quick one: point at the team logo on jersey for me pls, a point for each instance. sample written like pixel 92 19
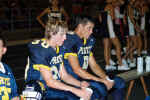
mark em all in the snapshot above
pixel 57 59
pixel 85 50
pixel 4 81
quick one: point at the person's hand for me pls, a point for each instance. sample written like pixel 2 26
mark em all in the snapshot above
pixel 84 84
pixel 83 93
pixel 86 94
pixel 109 83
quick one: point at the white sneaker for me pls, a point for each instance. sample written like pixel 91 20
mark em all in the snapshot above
pixel 129 61
pixel 135 52
pixel 112 62
pixel 132 65
pixel 123 67
pixel 124 50
pixel 124 62
pixel 144 52
pixel 110 67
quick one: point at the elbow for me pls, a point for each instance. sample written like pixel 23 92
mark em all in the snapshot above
pixel 64 77
pixel 78 72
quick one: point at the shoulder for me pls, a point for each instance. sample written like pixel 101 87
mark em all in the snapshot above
pixel 38 47
pixel 71 39
pixel 71 42
pixel 92 39
pixel 5 65
pixel 7 69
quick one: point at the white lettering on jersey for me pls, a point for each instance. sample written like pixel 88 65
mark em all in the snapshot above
pixel 56 60
pixel 85 50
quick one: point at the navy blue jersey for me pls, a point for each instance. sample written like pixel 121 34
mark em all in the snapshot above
pixel 43 56
pixel 81 48
pixel 8 87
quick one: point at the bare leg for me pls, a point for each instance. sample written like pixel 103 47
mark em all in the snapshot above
pixel 106 42
pixel 139 46
pixel 117 45
pixel 145 41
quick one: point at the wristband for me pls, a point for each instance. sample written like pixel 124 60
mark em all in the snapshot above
pixel 107 78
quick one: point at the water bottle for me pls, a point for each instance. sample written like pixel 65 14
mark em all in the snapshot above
pixel 147 60
pixel 140 65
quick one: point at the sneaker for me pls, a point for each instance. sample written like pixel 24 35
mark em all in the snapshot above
pixel 129 61
pixel 132 65
pixel 110 67
pixel 124 62
pixel 112 62
pixel 135 52
pixel 144 52
pixel 123 67
pixel 124 50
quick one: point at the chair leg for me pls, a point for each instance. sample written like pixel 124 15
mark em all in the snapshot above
pixel 144 86
pixel 129 89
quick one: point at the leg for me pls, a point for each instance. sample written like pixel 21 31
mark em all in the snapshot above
pixel 101 88
pixel 51 93
pixel 118 90
pixel 139 46
pixel 129 89
pixel 145 41
pixel 144 85
pixel 116 43
pixel 106 50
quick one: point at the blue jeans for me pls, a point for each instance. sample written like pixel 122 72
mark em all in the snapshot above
pixel 56 94
pixel 117 91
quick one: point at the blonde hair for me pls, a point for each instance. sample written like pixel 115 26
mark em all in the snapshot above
pixel 52 28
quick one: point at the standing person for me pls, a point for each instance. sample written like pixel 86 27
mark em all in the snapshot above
pixel 46 65
pixel 143 13
pixel 134 32
pixel 110 37
pixel 8 86
pixel 55 12
pixel 79 57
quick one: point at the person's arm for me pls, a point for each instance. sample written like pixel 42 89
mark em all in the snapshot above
pixel 47 75
pixel 47 10
pixel 73 60
pixel 96 68
pixel 15 98
pixel 69 79
pixel 99 72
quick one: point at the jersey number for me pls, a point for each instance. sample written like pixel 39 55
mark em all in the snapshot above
pixel 4 93
pixel 43 43
pixel 55 72
pixel 85 62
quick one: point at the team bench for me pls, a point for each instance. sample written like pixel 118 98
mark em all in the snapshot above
pixel 131 76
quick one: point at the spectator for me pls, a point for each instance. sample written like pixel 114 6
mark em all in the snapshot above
pixel 8 86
